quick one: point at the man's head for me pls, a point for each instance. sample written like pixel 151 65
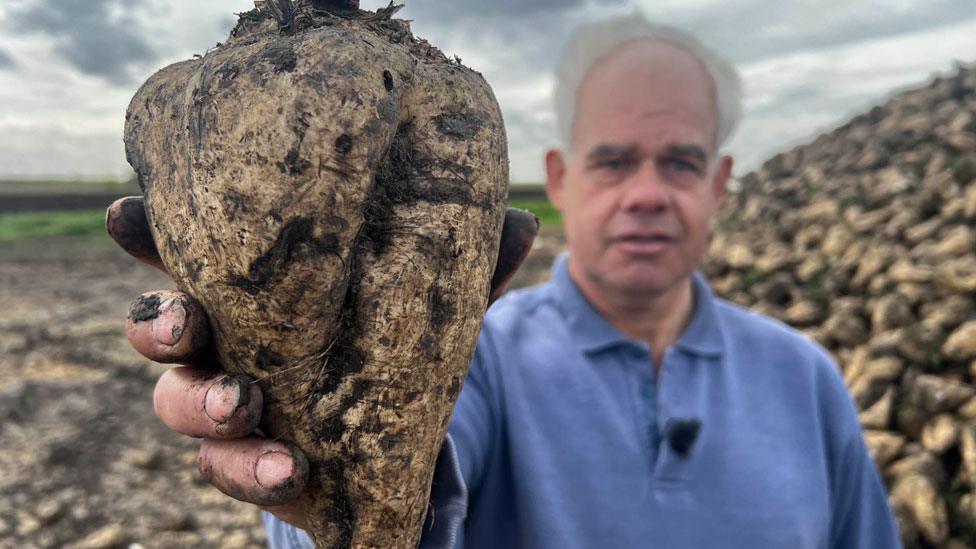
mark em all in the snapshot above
pixel 643 111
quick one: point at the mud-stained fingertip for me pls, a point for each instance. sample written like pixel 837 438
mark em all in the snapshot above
pixel 258 471
pixel 126 222
pixel 168 326
pixel 202 404
pixel 283 475
pixel 238 413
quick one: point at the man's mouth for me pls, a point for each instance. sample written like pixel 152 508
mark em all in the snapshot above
pixel 643 243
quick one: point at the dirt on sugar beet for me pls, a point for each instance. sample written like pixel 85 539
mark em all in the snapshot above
pixel 85 458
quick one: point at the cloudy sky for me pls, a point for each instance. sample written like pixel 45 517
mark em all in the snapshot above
pixel 69 67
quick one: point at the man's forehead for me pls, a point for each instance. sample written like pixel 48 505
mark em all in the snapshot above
pixel 653 50
pixel 669 63
pixel 643 129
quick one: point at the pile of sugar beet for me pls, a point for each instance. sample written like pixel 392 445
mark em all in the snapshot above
pixel 332 190
pixel 865 240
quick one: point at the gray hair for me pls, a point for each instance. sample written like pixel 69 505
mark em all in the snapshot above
pixel 591 42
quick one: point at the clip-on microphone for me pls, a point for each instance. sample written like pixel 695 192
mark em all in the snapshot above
pixel 681 434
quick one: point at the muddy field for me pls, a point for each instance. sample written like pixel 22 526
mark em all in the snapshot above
pixel 85 462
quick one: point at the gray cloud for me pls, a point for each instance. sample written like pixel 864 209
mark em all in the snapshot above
pixel 752 30
pixel 6 62
pixel 98 37
pixel 511 12
pixel 51 150
pixel 62 129
pixel 520 27
pixel 744 30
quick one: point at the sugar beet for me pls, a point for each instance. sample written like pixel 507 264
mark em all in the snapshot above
pixel 332 191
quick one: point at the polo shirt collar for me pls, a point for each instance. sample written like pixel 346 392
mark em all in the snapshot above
pixel 594 333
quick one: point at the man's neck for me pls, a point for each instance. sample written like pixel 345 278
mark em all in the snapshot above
pixel 658 318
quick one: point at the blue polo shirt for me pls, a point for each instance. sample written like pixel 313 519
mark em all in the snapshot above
pixel 562 437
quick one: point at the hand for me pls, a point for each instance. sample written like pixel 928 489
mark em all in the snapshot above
pixel 199 400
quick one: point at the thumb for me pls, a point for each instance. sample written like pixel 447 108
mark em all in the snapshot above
pixel 127 224
pixel 518 234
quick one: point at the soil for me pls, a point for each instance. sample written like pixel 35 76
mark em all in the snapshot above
pixel 85 462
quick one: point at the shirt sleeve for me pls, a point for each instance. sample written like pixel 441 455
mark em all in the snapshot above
pixel 474 425
pixel 282 535
pixel 861 516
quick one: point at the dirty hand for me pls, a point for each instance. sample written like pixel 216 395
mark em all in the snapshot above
pixel 199 400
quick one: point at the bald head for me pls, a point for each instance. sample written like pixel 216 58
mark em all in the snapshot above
pixel 600 43
pixel 645 78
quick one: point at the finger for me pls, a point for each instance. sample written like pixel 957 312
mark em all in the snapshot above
pixel 167 326
pixel 254 470
pixel 202 404
pixel 518 233
pixel 127 224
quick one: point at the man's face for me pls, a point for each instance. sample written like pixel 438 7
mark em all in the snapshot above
pixel 643 181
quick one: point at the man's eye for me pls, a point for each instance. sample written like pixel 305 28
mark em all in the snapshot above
pixel 681 165
pixel 615 163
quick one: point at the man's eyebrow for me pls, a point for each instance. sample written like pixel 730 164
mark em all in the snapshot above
pixel 693 151
pixel 610 151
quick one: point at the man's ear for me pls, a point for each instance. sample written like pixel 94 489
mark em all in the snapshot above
pixel 555 177
pixel 720 182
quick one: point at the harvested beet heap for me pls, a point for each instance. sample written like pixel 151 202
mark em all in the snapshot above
pixel 332 190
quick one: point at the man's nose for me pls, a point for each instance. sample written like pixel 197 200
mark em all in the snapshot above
pixel 645 190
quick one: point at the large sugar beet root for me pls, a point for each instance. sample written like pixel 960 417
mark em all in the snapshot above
pixel 332 191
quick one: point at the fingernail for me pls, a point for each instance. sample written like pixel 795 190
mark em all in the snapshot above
pixel 167 328
pixel 223 399
pixel 274 469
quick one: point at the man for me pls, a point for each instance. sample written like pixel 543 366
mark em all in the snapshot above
pixel 621 404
